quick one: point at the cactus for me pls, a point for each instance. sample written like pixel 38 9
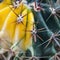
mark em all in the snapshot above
pixel 29 28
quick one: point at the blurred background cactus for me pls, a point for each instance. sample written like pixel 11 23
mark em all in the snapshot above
pixel 36 33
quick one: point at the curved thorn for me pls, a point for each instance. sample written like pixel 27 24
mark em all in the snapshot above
pixel 39 37
pixel 48 17
pixel 43 43
pixel 57 42
pixel 41 29
pixel 57 15
pixel 34 36
pixel 14 12
pixel 48 44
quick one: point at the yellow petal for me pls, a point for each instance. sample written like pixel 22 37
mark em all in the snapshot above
pixel 3 14
pixel 4 3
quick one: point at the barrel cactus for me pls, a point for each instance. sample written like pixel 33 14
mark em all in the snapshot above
pixel 29 28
